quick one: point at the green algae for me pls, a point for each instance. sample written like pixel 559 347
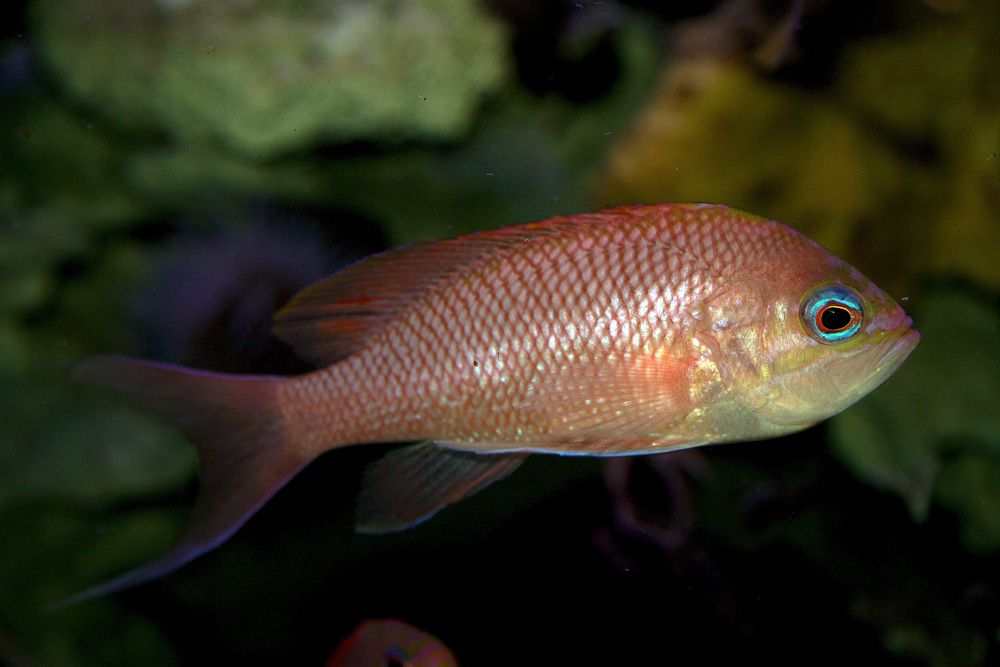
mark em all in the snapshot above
pixel 266 82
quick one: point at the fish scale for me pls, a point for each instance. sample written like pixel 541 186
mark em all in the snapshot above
pixel 557 291
pixel 627 331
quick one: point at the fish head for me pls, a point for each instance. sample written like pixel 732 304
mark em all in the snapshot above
pixel 828 337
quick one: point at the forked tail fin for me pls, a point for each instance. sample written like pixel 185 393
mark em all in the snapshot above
pixel 234 422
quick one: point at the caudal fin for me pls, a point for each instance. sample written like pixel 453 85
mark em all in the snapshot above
pixel 233 421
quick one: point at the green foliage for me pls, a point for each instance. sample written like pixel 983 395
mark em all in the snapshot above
pixel 903 134
pixel 70 459
pixel 57 166
pixel 38 570
pixel 934 430
pixel 947 106
pixel 969 485
pixel 527 159
pixel 269 78
pixel 889 583
pixel 63 451
pixel 781 159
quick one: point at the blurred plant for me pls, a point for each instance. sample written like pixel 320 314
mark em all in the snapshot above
pixel 663 521
pixel 72 467
pixel 934 432
pixel 877 145
pixel 651 523
pixel 59 188
pixel 212 295
pixel 262 79
pixel 806 527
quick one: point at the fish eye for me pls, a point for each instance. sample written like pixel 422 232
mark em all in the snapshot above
pixel 832 313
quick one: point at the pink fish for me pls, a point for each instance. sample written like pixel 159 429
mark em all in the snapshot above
pixel 629 331
pixel 380 643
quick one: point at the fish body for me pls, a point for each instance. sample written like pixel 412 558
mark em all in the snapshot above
pixel 628 331
pixel 624 332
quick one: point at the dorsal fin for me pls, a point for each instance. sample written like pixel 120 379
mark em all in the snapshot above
pixel 335 317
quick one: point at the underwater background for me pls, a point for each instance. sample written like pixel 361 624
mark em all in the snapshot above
pixel 171 171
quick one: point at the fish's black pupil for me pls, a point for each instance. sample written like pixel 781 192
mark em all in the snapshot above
pixel 835 318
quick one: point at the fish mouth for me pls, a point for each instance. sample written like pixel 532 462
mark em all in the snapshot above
pixel 885 357
pixel 896 349
pixel 834 386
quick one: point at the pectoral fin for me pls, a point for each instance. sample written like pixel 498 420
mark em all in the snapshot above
pixel 409 485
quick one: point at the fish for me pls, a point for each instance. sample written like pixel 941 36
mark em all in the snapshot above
pixel 629 331
pixel 387 641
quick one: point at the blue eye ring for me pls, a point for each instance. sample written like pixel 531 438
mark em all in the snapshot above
pixel 832 313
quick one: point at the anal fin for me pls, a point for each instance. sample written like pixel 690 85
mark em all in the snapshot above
pixel 409 485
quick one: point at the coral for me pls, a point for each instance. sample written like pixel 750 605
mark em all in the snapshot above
pixel 716 131
pixel 266 82
pixel 944 113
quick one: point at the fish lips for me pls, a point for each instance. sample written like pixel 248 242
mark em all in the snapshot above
pixel 831 386
pixel 897 349
pixel 883 359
